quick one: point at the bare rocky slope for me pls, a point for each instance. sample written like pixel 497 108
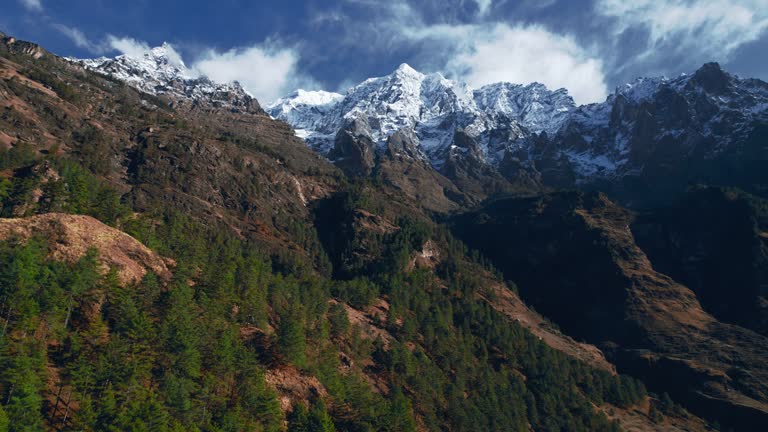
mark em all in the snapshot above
pixel 240 169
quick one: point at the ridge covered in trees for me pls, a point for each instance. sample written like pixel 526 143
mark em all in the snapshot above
pixel 81 352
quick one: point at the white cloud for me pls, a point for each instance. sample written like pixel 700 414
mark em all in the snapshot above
pixel 524 54
pixel 33 5
pixel 128 46
pixel 481 53
pixel 483 6
pixel 268 71
pixel 703 27
pixel 77 37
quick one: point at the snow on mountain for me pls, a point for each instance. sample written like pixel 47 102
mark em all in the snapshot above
pixel 160 71
pixel 305 111
pixel 696 116
pixel 700 115
pixel 533 105
pixel 429 104
pixel 154 69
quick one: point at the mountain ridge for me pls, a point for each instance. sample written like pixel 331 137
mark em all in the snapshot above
pixel 589 143
pixel 525 133
pixel 161 71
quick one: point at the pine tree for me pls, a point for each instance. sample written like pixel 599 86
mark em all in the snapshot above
pixel 319 419
pixel 400 412
pixel 298 420
pixel 667 405
pixel 3 420
pixel 291 340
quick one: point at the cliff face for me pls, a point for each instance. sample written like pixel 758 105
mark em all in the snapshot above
pixel 713 241
pixel 576 260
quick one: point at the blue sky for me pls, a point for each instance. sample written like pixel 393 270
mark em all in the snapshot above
pixel 274 47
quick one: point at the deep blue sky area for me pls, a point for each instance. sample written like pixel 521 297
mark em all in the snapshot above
pixel 273 47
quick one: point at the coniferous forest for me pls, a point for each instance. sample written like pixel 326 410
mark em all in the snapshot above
pixel 170 355
pixel 180 263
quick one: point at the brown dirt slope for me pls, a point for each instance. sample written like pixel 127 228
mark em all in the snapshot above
pixel 70 237
pixel 510 304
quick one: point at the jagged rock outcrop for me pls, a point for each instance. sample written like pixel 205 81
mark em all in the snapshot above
pixel 465 167
pixel 634 145
pixel 404 144
pixel 22 47
pixel 354 151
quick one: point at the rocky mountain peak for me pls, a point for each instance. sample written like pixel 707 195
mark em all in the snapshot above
pixel 161 71
pixel 405 70
pixel 431 105
pixel 21 47
pixel 712 78
pixel 166 55
pixel 700 115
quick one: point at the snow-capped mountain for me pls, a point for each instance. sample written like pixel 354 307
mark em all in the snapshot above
pixel 160 71
pixel 697 116
pixel 534 106
pixel 306 111
pixel 646 130
pixel 431 105
pixel 662 127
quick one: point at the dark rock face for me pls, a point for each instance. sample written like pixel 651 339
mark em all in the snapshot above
pixel 354 151
pixel 552 167
pixel 404 143
pixel 575 259
pixel 465 166
pixel 654 138
pixel 403 166
pixel 527 236
pixel 711 78
pixel 714 241
pixel 464 158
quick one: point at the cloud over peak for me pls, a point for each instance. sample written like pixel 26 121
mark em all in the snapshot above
pixel 525 54
pixel 268 70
